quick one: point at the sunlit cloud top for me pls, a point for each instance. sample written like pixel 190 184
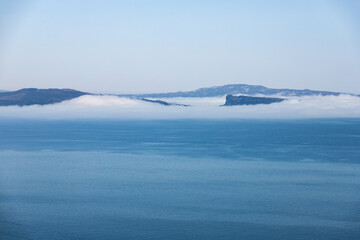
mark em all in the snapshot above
pixel 112 107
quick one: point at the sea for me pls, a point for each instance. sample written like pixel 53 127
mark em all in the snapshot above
pixel 180 179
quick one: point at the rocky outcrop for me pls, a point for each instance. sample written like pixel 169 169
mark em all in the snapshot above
pixel 246 100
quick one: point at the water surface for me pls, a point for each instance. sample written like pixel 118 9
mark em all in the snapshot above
pixel 297 179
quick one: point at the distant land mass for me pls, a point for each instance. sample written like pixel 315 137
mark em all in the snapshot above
pixel 32 96
pixel 164 103
pixel 235 89
pixel 246 100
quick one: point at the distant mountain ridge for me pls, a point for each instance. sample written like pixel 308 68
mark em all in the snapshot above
pixel 31 96
pixel 235 89
pixel 35 96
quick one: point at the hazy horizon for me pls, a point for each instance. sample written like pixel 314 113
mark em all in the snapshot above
pixel 179 90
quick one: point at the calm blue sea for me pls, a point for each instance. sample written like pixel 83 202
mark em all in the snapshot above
pixel 188 179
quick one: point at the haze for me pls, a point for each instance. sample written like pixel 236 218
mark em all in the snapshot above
pixel 113 107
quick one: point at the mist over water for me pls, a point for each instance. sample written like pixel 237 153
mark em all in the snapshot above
pixel 113 107
pixel 184 179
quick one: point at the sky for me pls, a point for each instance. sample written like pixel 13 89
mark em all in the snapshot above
pixel 158 46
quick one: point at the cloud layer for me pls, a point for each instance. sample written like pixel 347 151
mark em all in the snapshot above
pixel 112 107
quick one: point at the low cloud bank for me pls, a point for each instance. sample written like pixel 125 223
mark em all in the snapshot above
pixel 100 101
pixel 113 107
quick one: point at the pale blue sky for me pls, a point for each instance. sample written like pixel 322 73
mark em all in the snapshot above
pixel 155 46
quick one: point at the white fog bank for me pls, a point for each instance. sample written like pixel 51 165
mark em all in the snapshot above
pixel 113 107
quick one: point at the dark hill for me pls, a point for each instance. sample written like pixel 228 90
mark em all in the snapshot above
pixel 31 96
pixel 236 89
pixel 246 100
